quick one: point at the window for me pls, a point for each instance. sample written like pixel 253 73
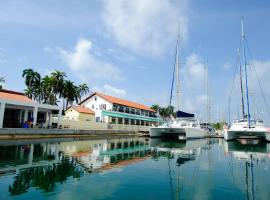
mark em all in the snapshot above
pixel 132 121
pixel 114 107
pixel 97 119
pixel 93 106
pixel 127 110
pixel 126 121
pixel 102 106
pixel 121 109
pixel 113 120
pixel 120 121
pixel 95 98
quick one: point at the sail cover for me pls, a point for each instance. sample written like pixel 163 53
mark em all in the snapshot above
pixel 182 114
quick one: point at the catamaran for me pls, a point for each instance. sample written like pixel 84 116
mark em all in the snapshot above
pixel 245 127
pixel 184 126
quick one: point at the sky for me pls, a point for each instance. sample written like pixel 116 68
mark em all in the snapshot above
pixel 127 48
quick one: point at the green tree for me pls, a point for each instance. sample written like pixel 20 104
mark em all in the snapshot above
pixel 32 81
pixel 70 93
pixel 83 89
pixel 2 80
pixel 164 112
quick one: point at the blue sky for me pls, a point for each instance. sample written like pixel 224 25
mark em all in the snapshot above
pixel 126 48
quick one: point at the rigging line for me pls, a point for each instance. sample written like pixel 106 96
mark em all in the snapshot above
pixel 257 77
pixel 187 80
pixel 232 87
pixel 172 84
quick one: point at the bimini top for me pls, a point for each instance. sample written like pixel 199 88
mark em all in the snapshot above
pixel 181 114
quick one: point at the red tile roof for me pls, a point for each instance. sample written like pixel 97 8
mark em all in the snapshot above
pixel 81 109
pixel 15 96
pixel 119 101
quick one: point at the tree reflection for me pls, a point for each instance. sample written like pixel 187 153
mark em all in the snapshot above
pixel 45 178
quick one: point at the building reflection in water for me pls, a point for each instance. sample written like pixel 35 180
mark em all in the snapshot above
pixel 42 165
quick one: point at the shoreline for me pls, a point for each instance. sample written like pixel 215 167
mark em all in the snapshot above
pixel 18 133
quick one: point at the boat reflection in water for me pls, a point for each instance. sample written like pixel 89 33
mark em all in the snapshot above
pixel 253 154
pixel 181 152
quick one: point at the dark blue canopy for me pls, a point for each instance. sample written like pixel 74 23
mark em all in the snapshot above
pixel 182 114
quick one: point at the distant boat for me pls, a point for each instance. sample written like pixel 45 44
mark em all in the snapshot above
pixel 246 127
pixel 185 126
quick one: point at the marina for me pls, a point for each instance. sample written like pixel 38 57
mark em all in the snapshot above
pixel 134 100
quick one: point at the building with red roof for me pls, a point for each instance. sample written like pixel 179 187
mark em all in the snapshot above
pixel 80 113
pixel 115 110
pixel 17 111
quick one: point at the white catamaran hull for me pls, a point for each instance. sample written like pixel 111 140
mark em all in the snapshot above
pixel 181 133
pixel 236 134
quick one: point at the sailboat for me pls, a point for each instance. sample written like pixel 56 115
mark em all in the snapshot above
pixel 184 126
pixel 245 127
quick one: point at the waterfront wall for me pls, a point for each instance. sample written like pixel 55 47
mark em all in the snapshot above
pixel 90 125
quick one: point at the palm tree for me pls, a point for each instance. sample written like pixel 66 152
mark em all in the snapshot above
pixel 164 112
pixel 31 77
pixel 2 80
pixel 32 81
pixel 58 79
pixel 49 96
pixel 70 93
pixel 83 89
pixel 155 107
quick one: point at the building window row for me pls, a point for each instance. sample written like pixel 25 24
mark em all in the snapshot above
pixel 127 121
pixel 124 109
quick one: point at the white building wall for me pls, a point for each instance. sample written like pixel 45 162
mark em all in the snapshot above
pixel 72 114
pixel 96 105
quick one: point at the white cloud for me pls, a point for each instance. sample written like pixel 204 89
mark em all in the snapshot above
pixel 83 61
pixel 145 26
pixel 111 90
pixel 195 68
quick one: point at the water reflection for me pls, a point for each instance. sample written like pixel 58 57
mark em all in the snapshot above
pixel 253 154
pixel 159 169
pixel 42 165
pixel 178 153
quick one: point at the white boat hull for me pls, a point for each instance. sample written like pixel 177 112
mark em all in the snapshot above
pixel 166 131
pixel 180 133
pixel 235 134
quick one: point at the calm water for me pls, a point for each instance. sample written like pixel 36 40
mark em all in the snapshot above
pixel 134 168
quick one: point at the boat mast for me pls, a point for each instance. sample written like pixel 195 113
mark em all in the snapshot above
pixel 245 63
pixel 177 74
pixel 241 84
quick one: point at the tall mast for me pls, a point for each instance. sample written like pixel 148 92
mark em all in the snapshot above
pixel 177 75
pixel 208 105
pixel 241 84
pixel 245 63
